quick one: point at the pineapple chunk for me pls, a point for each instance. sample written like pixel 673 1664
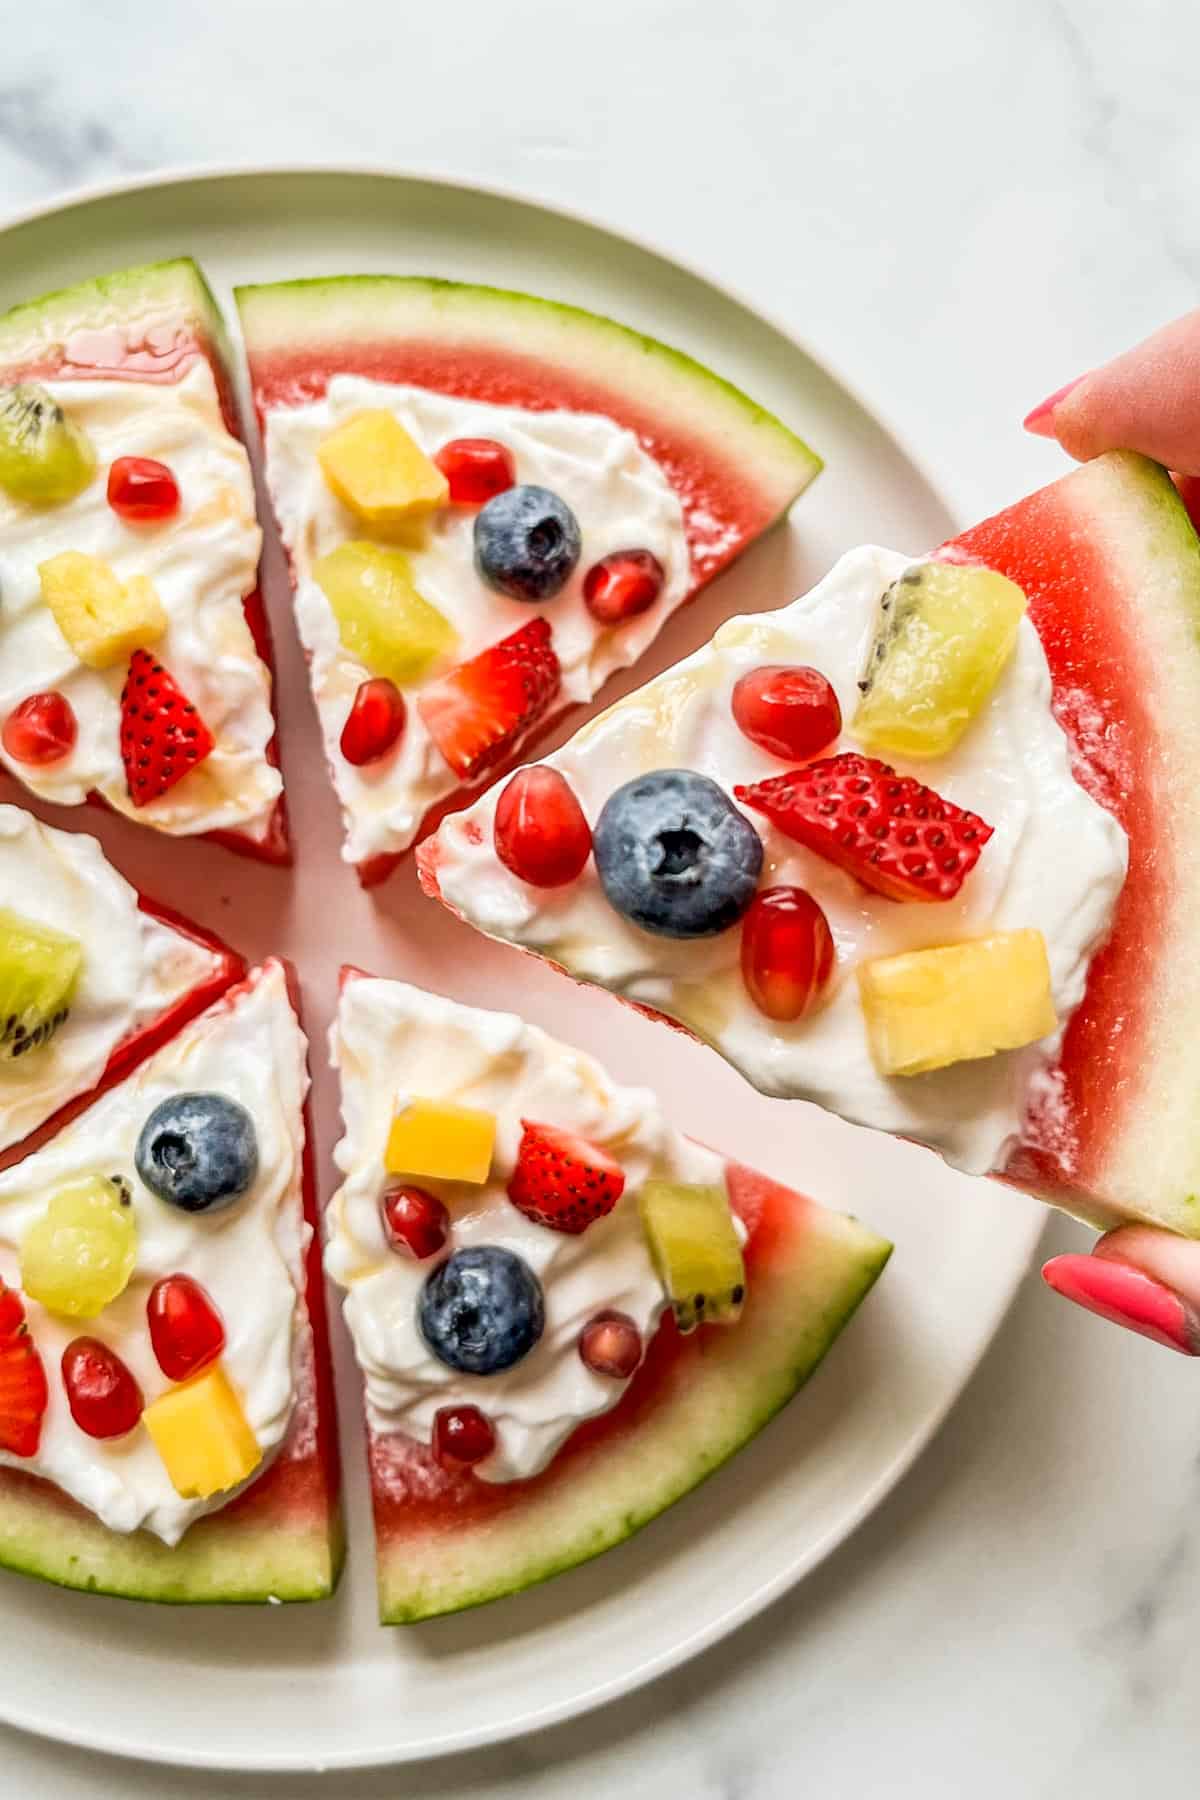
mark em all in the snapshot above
pixel 384 623
pixel 696 1250
pixel 203 1436
pixel 435 1138
pixel 375 468
pixel 928 1008
pixel 103 622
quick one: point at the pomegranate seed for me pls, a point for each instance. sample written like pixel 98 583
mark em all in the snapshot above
pixel 104 1398
pixel 142 490
pixel 540 832
pixel 185 1327
pixel 41 730
pixel 374 723
pixel 414 1222
pixel 622 585
pixel 462 1436
pixel 787 952
pixel 790 711
pixel 611 1344
pixel 477 469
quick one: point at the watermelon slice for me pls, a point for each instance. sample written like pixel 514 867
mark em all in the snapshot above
pixel 146 327
pixel 280 1537
pixel 446 1541
pixel 731 467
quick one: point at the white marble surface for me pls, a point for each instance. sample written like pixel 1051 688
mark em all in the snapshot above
pixel 961 204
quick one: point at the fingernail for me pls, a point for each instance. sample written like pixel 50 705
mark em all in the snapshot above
pixel 1127 1296
pixel 1041 420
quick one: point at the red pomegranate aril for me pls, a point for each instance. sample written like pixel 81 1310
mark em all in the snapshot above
pixel 186 1331
pixel 41 730
pixel 104 1398
pixel 142 490
pixel 477 469
pixel 374 723
pixel 462 1436
pixel 414 1222
pixel 623 585
pixel 787 952
pixel 540 832
pixel 789 710
pixel 611 1344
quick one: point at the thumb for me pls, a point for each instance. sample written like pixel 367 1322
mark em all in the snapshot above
pixel 1148 399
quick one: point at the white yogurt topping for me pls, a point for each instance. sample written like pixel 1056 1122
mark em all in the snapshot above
pixel 619 494
pixel 1056 863
pixel 250 1258
pixel 202 561
pixel 391 1042
pixel 133 967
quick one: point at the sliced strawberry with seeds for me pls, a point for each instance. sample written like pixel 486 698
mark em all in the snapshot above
pixel 163 737
pixel 890 832
pixel 562 1181
pixel 24 1394
pixel 478 713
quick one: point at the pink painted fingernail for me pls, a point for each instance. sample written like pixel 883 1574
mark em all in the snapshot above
pixel 1041 420
pixel 1127 1296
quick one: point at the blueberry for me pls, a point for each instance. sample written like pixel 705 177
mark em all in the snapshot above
pixel 482 1310
pixel 675 855
pixel 526 543
pixel 198 1152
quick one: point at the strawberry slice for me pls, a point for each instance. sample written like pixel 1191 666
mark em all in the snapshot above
pixel 890 832
pixel 562 1181
pixel 162 734
pixel 476 714
pixel 23 1392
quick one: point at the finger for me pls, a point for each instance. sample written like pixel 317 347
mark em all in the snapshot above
pixel 1123 1282
pixel 1147 399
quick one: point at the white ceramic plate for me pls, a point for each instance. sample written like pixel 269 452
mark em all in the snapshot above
pixel 324 1686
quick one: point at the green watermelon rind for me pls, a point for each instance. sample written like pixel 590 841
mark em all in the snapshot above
pixel 39 331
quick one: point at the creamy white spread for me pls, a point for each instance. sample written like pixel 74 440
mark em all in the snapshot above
pixel 203 562
pixel 392 1042
pixel 249 1258
pixel 1056 863
pixel 619 494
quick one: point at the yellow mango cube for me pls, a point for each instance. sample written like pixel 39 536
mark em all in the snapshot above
pixel 203 1436
pixel 103 621
pixel 926 1009
pixel 435 1138
pixel 378 471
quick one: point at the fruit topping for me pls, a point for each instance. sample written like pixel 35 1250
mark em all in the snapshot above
pixel 479 712
pixel 440 1140
pixel 562 1181
pixel 203 1436
pixel 104 1398
pixel 415 1223
pixel 41 730
pixel 39 972
pixel 622 585
pixel 926 1009
pixel 78 1256
pixel 540 832
pixel 375 722
pixel 102 621
pixel 462 1436
pixel 696 1251
pixel 163 737
pixel 482 1310
pixel 477 469
pixel 384 623
pixel 186 1330
pixel 527 543
pixel 787 710
pixel 943 635
pixel 787 952
pixel 675 856
pixel 198 1152
pixel 378 471
pixel 24 1393
pixel 890 832
pixel 611 1344
pixel 44 458
pixel 142 491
